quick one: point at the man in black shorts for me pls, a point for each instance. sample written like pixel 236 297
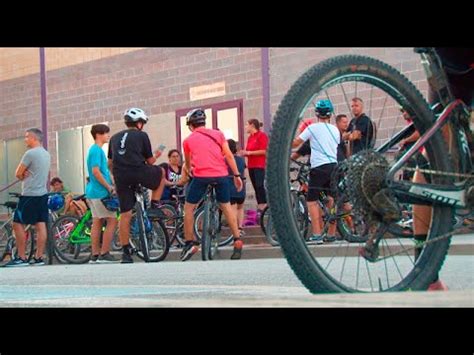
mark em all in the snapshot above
pixel 324 139
pixel 131 162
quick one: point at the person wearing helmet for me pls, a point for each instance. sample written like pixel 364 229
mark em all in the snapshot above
pixel 324 139
pixel 361 128
pixel 131 160
pixel 100 186
pixel 206 152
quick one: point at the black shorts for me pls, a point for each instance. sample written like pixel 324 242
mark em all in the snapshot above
pixel 31 210
pixel 148 176
pixel 320 181
pixel 237 200
pixel 198 186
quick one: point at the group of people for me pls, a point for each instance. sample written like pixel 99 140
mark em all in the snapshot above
pixel 327 145
pixel 209 159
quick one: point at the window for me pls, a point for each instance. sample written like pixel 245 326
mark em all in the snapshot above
pixel 225 116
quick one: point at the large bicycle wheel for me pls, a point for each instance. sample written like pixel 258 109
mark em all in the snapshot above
pixel 340 268
pixel 65 250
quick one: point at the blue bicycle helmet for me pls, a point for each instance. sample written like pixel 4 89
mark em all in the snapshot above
pixel 55 202
pixel 324 108
pixel 111 203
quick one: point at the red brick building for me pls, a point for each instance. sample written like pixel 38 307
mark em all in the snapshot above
pixel 85 86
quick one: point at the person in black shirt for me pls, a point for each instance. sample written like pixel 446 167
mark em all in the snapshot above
pixel 342 123
pixel 131 161
pixel 361 128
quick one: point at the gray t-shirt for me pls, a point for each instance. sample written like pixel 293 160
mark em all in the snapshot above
pixel 37 161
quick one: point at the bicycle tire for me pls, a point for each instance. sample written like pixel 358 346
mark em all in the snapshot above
pixel 160 232
pixel 78 254
pixel 285 123
pixel 205 237
pixel 143 253
pixel 6 235
pixel 214 227
pixel 198 214
pixel 267 227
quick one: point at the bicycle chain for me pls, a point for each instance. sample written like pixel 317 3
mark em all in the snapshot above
pixel 437 172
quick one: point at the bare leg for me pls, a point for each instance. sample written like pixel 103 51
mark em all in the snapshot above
pixel 240 215
pixel 124 227
pixel 315 213
pixel 20 237
pixel 189 221
pixel 95 235
pixel 41 237
pixel 230 217
pixel 156 194
pixel 108 235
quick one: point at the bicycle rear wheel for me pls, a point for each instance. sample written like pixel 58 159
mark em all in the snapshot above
pixel 340 271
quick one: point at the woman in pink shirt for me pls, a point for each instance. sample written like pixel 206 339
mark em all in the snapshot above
pixel 256 151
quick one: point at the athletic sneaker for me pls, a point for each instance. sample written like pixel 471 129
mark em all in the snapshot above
pixel 93 259
pixel 106 258
pixel 237 254
pixel 126 259
pixel 316 238
pixel 329 239
pixel 37 262
pixel 188 251
pixel 17 261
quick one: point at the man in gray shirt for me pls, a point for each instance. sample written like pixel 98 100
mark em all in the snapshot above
pixel 33 204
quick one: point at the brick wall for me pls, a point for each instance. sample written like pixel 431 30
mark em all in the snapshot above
pixel 87 86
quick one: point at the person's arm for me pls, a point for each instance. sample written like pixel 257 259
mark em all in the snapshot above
pixel 21 172
pixel 412 138
pixel 100 178
pixel 229 157
pixel 297 142
pixel 150 157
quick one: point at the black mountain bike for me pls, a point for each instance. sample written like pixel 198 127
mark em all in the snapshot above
pixel 372 178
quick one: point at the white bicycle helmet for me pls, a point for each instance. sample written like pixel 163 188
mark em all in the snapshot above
pixel 134 114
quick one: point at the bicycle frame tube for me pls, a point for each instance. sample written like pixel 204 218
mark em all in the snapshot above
pixel 76 236
pixel 427 193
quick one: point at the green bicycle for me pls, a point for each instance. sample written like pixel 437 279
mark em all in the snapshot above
pixel 72 238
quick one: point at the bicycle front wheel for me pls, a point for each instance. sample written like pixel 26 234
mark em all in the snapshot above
pixel 65 249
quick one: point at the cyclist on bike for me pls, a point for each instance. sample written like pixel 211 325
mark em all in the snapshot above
pixel 324 139
pixel 131 161
pixel 206 152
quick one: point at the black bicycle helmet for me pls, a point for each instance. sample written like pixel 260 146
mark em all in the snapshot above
pixel 196 116
pixel 133 115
